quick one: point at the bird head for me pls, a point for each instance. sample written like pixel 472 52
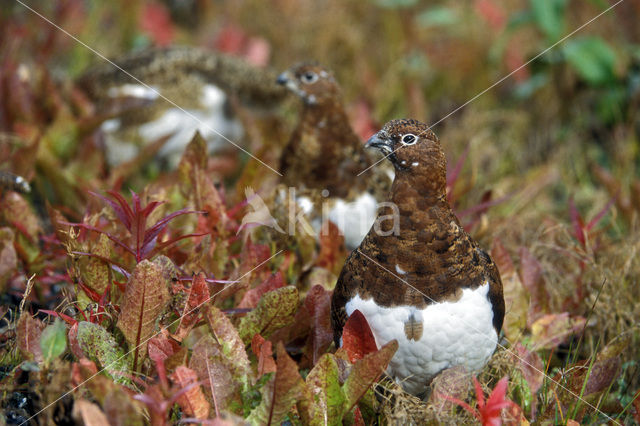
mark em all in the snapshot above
pixel 415 152
pixel 313 83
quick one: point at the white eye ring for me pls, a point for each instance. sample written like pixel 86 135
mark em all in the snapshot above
pixel 309 77
pixel 409 139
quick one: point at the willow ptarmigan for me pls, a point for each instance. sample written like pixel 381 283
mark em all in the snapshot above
pixel 324 154
pixel 426 282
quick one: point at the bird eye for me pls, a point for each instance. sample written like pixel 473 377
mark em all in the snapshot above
pixel 309 77
pixel 408 139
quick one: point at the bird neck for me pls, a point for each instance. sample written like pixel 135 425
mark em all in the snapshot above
pixel 421 186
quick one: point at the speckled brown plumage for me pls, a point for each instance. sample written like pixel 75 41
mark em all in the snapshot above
pixel 323 151
pixel 169 66
pixel 437 257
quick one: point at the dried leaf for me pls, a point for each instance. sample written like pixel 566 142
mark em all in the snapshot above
pixel 327 400
pixel 280 393
pixel 29 332
pixel 366 371
pixel 552 329
pixel 15 209
pixel 93 270
pixel 516 298
pixel 144 301
pixel 453 382
pixel 212 367
pixel 332 249
pixel 357 338
pixel 530 365
pixel 89 414
pixel 263 350
pixel 531 276
pixel 192 402
pixel 230 343
pixel 8 256
pixel 275 310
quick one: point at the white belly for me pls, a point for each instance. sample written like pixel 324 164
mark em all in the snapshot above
pixel 454 333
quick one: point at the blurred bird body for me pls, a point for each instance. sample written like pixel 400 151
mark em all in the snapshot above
pixel 429 285
pixel 324 154
pixel 201 83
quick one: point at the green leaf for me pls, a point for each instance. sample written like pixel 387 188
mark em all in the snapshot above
pixel 275 310
pixel 53 341
pixel 437 16
pixel 592 58
pixel 549 16
pixel 230 343
pixel 325 400
pixel 395 4
pixel 280 393
pixel 101 347
pixel 366 371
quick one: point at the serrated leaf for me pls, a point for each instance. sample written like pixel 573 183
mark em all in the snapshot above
pixel 366 371
pixel 275 310
pixel 280 393
pixel 145 299
pixel 101 347
pixel 53 341
pixel 326 400
pixel 592 58
pixel 229 340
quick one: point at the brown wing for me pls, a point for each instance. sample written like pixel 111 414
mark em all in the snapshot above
pixel 495 288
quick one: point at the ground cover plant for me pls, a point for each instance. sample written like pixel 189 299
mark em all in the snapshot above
pixel 133 292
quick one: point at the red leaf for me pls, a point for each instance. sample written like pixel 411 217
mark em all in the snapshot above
pixel 318 305
pixel 492 13
pixel 155 20
pixel 162 347
pixel 251 297
pixel 193 401
pixel 357 338
pixel 532 279
pixel 576 222
pixel 332 250
pixel 363 123
pixel 28 332
pixel 263 350
pixel 198 295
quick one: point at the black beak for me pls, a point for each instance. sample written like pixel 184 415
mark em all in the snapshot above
pixel 283 78
pixel 380 142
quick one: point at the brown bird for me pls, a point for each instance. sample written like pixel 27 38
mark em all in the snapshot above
pixel 324 153
pixel 418 277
